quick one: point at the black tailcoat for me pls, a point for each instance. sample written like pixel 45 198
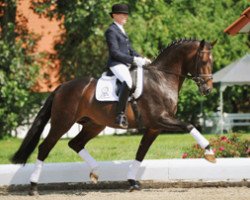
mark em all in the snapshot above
pixel 120 50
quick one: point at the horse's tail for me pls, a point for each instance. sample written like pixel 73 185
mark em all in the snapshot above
pixel 32 138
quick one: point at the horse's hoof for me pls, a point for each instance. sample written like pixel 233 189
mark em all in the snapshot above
pixel 33 193
pixel 33 189
pixel 93 177
pixel 211 158
pixel 134 186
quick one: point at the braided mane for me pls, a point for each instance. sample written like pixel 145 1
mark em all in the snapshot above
pixel 178 42
pixel 173 45
pixel 156 74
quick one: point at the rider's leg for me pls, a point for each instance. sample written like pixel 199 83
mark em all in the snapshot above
pixel 121 118
pixel 121 71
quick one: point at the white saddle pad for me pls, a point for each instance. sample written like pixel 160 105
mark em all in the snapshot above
pixel 106 87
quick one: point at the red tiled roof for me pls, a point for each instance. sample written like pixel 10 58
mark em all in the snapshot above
pixel 241 25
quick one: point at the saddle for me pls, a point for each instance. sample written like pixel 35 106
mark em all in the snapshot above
pixel 107 88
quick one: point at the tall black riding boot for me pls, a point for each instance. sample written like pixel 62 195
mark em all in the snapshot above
pixel 121 118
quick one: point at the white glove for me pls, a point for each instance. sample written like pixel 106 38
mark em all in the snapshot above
pixel 139 61
pixel 148 61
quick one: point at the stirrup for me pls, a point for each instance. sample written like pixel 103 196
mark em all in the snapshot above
pixel 122 120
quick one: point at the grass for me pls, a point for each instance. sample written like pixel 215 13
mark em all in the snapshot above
pixel 109 148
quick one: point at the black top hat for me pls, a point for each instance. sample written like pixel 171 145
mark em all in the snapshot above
pixel 119 8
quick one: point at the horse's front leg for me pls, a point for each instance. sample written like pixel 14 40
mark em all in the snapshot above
pixel 146 141
pixel 89 131
pixel 169 123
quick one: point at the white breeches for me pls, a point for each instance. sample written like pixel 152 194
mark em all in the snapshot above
pixel 121 71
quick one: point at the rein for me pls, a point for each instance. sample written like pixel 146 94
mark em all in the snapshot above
pixel 168 72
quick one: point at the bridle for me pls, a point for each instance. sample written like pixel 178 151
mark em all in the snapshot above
pixel 200 79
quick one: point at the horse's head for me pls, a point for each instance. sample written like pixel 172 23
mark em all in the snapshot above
pixel 201 67
pixel 188 58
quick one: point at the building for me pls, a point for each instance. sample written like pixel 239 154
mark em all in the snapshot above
pixel 48 33
pixel 241 25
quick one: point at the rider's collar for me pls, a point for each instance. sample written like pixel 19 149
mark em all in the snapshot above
pixel 120 27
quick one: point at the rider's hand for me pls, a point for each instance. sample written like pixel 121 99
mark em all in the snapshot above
pixel 147 61
pixel 139 61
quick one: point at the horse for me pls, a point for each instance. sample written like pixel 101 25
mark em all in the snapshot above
pixel 75 102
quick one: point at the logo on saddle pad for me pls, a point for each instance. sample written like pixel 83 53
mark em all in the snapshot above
pixel 106 87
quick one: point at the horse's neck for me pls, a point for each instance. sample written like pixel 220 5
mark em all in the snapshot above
pixel 169 72
pixel 175 57
pixel 161 82
pixel 172 63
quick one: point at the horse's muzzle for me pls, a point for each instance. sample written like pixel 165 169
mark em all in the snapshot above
pixel 205 90
pixel 208 91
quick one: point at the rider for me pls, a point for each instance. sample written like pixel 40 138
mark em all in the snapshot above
pixel 121 56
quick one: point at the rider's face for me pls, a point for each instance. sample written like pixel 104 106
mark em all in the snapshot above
pixel 120 18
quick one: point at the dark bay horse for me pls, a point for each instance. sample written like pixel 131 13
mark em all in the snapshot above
pixel 75 101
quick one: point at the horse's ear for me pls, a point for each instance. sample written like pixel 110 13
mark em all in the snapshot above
pixel 214 42
pixel 202 44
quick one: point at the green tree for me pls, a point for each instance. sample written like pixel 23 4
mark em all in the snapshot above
pixel 151 26
pixel 17 71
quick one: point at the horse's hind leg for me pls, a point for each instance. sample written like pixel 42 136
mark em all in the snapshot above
pixel 89 131
pixel 146 141
pixel 55 133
